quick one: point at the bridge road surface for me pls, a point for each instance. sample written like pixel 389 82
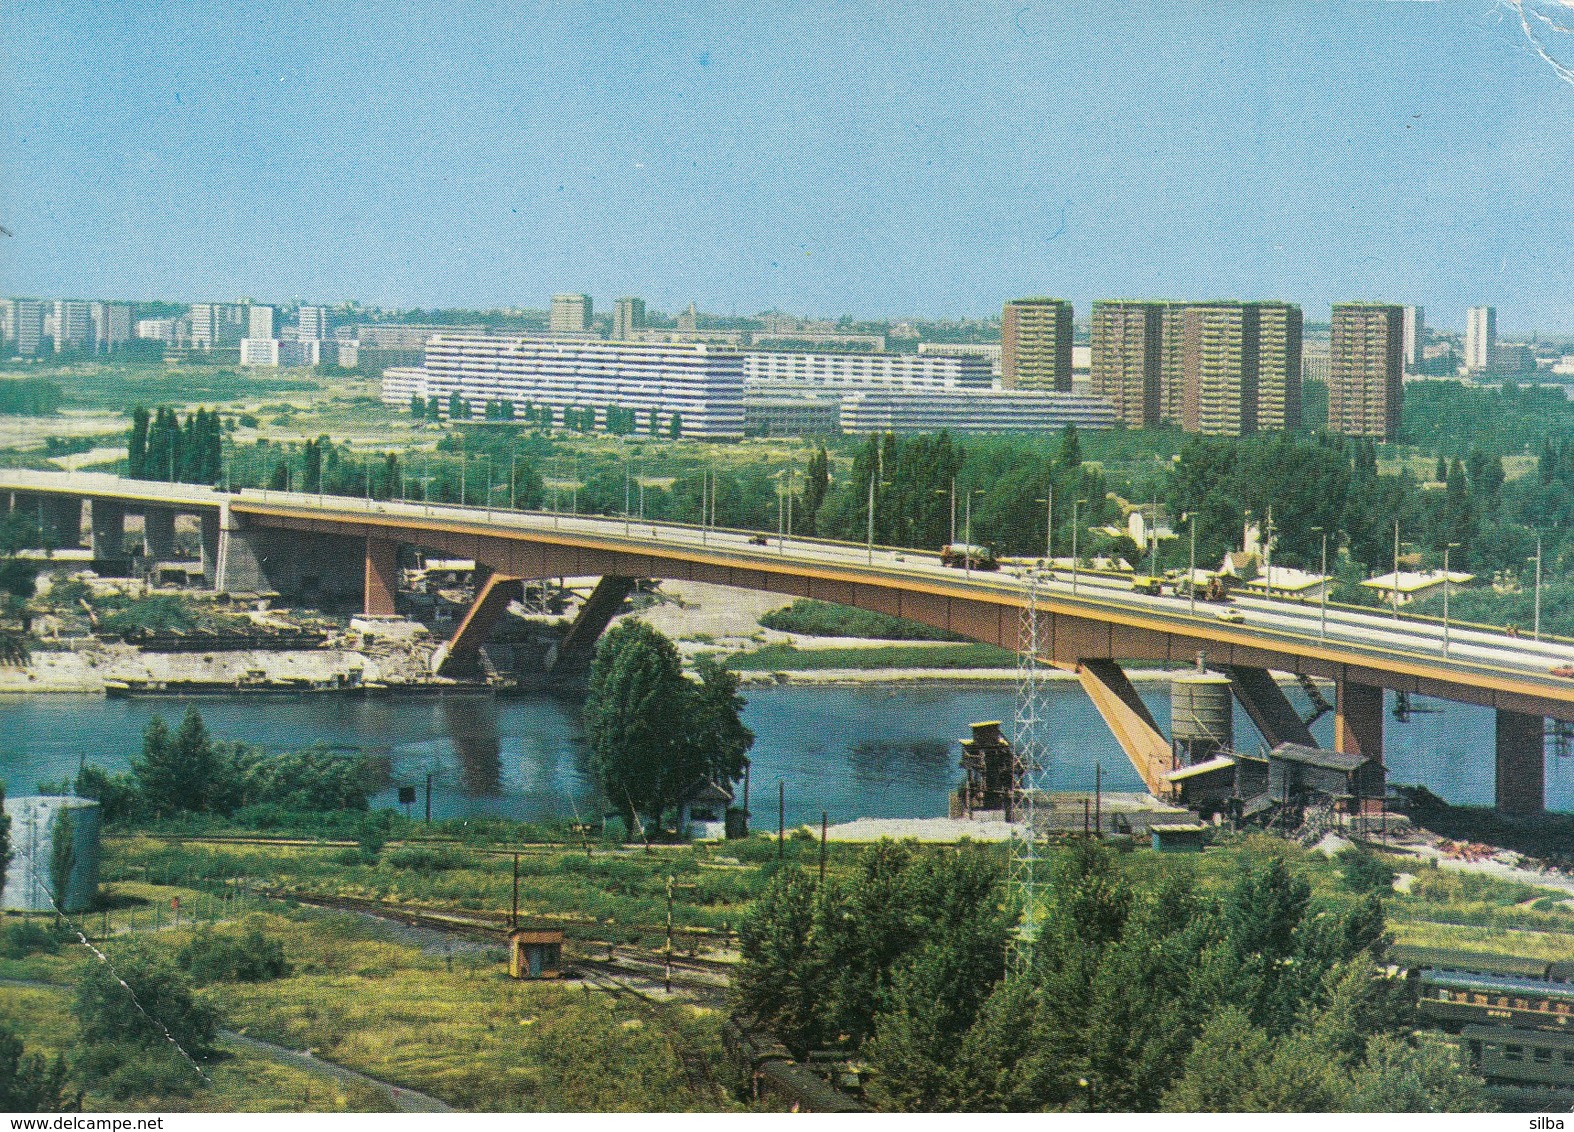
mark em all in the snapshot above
pixel 1472 657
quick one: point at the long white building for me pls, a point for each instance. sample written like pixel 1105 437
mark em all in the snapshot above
pixel 1003 411
pixel 913 372
pixel 701 384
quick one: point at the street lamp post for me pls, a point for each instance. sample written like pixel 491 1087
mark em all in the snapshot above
pixel 1396 569
pixel 1191 565
pixel 967 535
pixel 1075 523
pixel 1049 527
pixel 1322 600
pixel 1446 549
pixel 1536 627
pixel 871 519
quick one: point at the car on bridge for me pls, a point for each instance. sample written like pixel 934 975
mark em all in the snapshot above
pixel 1564 670
pixel 1233 616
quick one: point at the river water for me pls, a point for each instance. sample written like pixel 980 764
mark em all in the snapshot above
pixel 849 751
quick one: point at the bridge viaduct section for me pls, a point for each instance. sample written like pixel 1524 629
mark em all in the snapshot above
pixel 1092 644
pixel 340 551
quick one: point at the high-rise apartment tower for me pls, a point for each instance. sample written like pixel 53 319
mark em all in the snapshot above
pixel 1366 370
pixel 1035 345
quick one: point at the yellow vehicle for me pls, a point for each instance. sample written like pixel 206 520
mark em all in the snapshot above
pixel 1147 584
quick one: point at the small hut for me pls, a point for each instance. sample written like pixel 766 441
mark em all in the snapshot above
pixel 702 811
pixel 535 953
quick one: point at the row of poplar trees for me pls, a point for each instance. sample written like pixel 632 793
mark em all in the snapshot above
pixel 162 448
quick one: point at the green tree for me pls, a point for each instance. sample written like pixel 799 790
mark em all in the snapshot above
pixel 139 1000
pixel 634 719
pixel 137 447
pixel 675 426
pixel 28 1083
pixel 181 771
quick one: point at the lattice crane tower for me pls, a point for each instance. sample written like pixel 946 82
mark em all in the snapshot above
pixel 1027 779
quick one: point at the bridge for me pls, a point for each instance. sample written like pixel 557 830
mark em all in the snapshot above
pixel 270 541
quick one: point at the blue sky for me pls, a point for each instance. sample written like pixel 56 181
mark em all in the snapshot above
pixel 881 159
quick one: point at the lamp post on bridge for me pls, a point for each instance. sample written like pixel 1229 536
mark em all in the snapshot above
pixel 1446 549
pixel 1322 615
pixel 1075 505
pixel 1536 626
pixel 967 553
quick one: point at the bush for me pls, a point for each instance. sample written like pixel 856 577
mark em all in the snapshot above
pixel 137 1000
pixel 128 1069
pixel 424 859
pixel 251 958
pixel 825 619
pixel 1361 870
pixel 28 937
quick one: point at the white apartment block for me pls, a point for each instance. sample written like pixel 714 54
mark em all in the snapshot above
pixel 216 325
pixel 869 411
pixel 1480 338
pixel 263 352
pixel 571 314
pixel 158 330
pixel 702 384
pixel 311 323
pixel 73 325
pixel 782 369
pixel 25 326
pixel 259 322
pixel 1414 338
pixel 111 325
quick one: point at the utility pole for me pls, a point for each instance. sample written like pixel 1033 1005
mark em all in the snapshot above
pixel 513 915
pixel 428 797
pixel 1536 628
pixel 1396 569
pixel 668 979
pixel 1098 799
pixel 871 518
pixel 823 828
pixel 781 818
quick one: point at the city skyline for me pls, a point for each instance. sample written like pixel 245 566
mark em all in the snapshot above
pixel 1157 153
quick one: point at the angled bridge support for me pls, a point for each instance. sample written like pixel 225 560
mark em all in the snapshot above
pixel 1129 721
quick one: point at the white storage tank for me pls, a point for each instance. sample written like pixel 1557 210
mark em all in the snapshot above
pixel 1202 715
pixel 54 854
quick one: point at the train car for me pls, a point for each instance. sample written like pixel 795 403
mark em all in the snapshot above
pixel 1503 1054
pixel 1455 1000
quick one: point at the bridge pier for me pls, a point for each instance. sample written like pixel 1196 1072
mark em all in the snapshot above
pixel 211 534
pixel 1267 705
pixel 298 565
pixel 1129 721
pixel 382 577
pixel 1521 763
pixel 1358 719
pixel 158 533
pixel 458 654
pixel 59 518
pixel 108 524
pixel 578 646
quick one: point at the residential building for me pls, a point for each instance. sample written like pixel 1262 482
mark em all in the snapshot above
pixel 628 316
pixel 963 411
pixel 1220 355
pixel 799 338
pixel 1315 364
pixel 73 326
pixel 111 326
pixel 1415 339
pixel 987 350
pixel 784 368
pixel 809 414
pixel 1416 585
pixel 259 322
pixel 1172 364
pixel 1279 331
pixel 571 314
pixel 1480 338
pixel 1035 345
pixel 216 325
pixel 312 324
pixel 300 353
pixel 1513 359
pixel 1366 380
pixel 7 321
pixel 259 352
pixel 699 384
pixel 27 326
pixel 164 330
pixel 1127 357
pixel 405 336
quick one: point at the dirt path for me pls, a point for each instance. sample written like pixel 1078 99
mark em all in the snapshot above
pixel 401 1098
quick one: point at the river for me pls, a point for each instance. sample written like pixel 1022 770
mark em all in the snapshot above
pixel 849 751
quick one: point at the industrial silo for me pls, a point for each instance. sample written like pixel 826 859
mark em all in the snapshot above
pixel 1202 719
pixel 54 854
